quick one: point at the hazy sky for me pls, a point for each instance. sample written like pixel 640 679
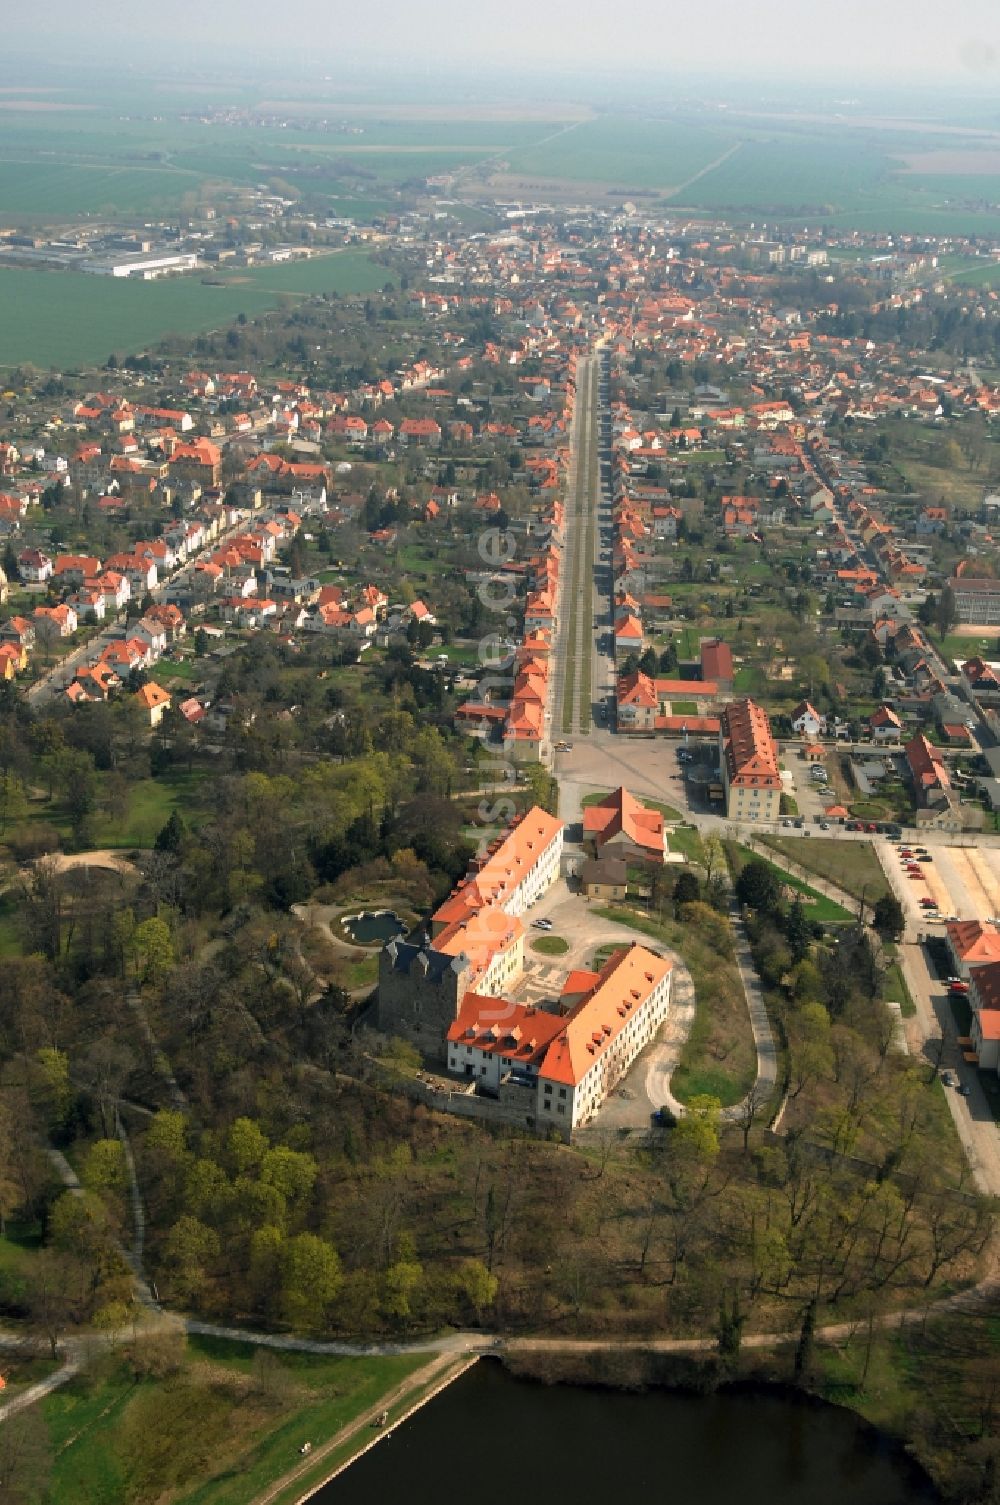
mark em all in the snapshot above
pixel 754 38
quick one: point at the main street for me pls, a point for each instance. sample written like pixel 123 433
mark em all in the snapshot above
pixel 583 667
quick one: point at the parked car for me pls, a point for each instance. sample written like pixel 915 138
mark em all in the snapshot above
pixel 824 825
pixel 871 827
pixel 542 924
pixel 958 987
pixel 928 903
pixel 948 1078
pixel 963 1090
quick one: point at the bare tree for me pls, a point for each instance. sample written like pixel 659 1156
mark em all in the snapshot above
pixel 751 1108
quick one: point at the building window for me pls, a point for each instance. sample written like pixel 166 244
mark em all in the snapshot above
pixel 562 1092
pixel 561 1107
pixel 548 1089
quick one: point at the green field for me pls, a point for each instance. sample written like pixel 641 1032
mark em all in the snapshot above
pixel 851 865
pixel 625 153
pixel 116 1440
pixel 69 318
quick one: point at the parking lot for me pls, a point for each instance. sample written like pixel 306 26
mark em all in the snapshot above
pixel 960 880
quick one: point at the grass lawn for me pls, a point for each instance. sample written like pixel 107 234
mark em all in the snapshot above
pixel 550 945
pixel 684 707
pixel 687 841
pixel 896 991
pixel 982 645
pixel 851 865
pixel 817 906
pixel 150 804
pixel 363 974
pixel 117 1441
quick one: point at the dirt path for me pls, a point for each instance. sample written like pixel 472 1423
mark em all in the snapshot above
pixel 105 857
pixel 440 1372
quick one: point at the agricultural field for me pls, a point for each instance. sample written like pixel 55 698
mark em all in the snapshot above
pixel 641 154
pixel 69 318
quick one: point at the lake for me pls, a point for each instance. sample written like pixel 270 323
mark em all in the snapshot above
pixel 500 1438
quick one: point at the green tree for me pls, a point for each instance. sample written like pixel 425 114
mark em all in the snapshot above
pixel 247 1144
pixel 154 949
pixel 188 1250
pixel 310 1279
pixel 888 917
pixel 697 1133
pixel 293 1172
pixel 476 1286
pixel 103 1167
pixel 53 1092
pixel 758 886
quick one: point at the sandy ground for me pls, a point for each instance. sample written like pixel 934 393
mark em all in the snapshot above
pixel 103 857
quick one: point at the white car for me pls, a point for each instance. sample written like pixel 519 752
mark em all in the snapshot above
pixel 542 924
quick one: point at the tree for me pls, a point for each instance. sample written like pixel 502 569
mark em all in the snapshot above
pixel 798 930
pixel 310 1279
pixel 758 886
pixel 189 1248
pixel 56 1294
pixel 750 1109
pixel 154 949
pixel 476 1286
pixel 687 890
pixel 698 1131
pixel 946 613
pixel 888 917
pixel 170 837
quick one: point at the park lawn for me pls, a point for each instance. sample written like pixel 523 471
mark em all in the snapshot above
pixel 550 945
pixel 151 802
pixel 687 841
pixel 851 865
pixel 895 991
pixel 117 1440
pixel 817 906
pixel 363 974
pixel 982 645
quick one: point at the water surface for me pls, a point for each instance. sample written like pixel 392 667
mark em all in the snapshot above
pixel 502 1440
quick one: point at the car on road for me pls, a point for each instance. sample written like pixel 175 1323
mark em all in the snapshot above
pixel 963 1090
pixel 542 924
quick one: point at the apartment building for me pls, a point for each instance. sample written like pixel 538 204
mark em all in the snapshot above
pixel 748 755
pixel 562 1066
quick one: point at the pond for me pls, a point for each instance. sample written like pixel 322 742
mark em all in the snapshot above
pixel 373 926
pixel 495 1438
